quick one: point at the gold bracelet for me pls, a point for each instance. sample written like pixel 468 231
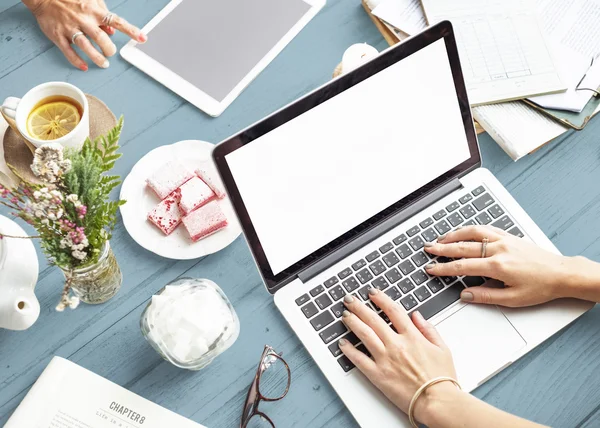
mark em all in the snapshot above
pixel 421 390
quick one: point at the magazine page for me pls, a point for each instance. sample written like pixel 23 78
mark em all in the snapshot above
pixel 69 396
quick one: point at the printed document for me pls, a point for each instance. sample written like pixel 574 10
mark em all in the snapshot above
pixel 503 52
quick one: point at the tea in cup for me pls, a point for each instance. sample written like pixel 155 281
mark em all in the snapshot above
pixel 53 112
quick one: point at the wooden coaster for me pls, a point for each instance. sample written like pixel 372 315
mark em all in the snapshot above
pixel 18 155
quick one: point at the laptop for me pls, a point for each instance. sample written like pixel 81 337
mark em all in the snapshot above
pixel 339 191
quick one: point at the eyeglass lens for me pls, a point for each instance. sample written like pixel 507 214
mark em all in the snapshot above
pixel 274 377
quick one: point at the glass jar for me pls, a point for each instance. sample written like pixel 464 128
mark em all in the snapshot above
pixel 99 282
pixel 190 322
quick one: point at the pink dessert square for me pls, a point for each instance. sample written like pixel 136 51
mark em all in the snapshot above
pixel 168 178
pixel 205 221
pixel 194 194
pixel 166 215
pixel 210 177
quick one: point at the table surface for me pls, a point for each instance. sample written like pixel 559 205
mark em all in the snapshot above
pixel 557 384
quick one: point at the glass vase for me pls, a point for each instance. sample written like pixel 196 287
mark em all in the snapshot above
pixel 99 282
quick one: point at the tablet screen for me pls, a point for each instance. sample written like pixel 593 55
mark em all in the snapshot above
pixel 214 44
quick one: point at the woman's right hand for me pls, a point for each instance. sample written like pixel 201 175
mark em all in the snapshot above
pixel 531 274
pixel 60 20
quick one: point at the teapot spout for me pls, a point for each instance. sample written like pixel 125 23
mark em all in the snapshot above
pixel 19 309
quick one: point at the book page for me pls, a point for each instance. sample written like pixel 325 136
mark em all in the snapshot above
pixel 573 23
pixel 406 15
pixel 516 127
pixel 573 28
pixel 503 52
pixel 69 396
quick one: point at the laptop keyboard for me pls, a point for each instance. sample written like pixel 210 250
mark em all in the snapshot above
pixel 397 268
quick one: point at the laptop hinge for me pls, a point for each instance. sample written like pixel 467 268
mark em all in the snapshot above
pixel 378 230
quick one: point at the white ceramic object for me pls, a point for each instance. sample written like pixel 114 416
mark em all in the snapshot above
pixel 140 200
pixel 356 55
pixel 19 308
pixel 18 109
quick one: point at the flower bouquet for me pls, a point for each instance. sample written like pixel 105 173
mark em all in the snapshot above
pixel 71 210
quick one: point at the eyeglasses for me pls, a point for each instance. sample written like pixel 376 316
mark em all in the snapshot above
pixel 579 88
pixel 271 383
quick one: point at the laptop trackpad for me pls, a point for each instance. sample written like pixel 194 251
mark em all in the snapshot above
pixel 481 340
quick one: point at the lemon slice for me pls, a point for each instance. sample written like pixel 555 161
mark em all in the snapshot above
pixel 53 120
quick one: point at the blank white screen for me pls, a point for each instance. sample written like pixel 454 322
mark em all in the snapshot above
pixel 326 171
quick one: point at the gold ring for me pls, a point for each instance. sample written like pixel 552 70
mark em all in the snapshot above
pixel 484 243
pixel 75 35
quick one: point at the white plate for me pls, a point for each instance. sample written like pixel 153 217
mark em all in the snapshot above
pixel 140 201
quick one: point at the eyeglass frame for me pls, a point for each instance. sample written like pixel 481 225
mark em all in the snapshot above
pixel 578 87
pixel 254 396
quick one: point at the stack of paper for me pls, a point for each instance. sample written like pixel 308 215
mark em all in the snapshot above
pixel 570 26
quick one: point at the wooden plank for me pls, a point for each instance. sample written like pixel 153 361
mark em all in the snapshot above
pixel 555 185
pixel 7 4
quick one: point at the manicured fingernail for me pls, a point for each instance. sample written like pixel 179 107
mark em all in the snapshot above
pixel 429 244
pixel 142 38
pixel 105 64
pixel 467 296
pixel 373 291
pixel 348 298
pixel 430 265
pixel 83 67
pixel 342 342
pixel 346 314
pixel 442 237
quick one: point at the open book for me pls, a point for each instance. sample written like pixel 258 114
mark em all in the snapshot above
pixel 69 396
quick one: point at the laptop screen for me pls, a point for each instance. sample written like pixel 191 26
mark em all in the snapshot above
pixel 321 174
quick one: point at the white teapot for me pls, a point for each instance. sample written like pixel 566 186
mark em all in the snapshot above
pixel 19 308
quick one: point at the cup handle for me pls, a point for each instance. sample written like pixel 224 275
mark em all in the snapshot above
pixel 8 110
pixel 9 107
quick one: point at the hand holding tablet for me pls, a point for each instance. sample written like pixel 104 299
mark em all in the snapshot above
pixel 208 52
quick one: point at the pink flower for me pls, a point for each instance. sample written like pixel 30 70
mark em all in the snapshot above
pixel 14 200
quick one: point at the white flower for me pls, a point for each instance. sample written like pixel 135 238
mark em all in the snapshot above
pixel 60 307
pixel 59 213
pixel 45 221
pixel 79 255
pixel 37 194
pixel 49 163
pixel 51 216
pixel 73 302
pixel 63 243
pixel 72 198
pixel 39 213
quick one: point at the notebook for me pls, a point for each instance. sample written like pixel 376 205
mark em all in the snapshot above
pixel 503 52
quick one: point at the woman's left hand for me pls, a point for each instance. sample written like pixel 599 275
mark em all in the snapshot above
pixel 401 362
pixel 60 20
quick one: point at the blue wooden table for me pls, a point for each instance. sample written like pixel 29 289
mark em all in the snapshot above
pixel 557 384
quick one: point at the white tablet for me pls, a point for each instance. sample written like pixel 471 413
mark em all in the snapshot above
pixel 208 51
